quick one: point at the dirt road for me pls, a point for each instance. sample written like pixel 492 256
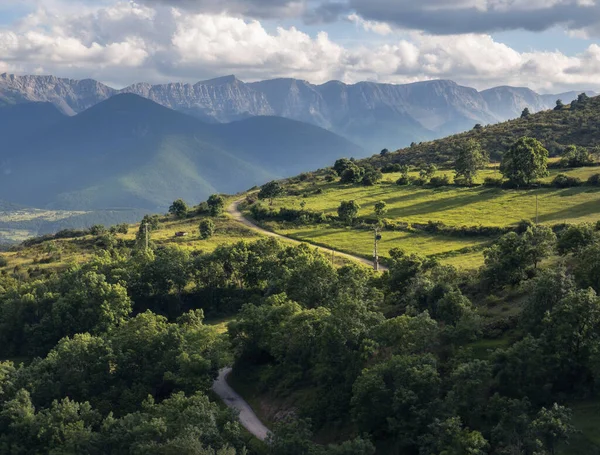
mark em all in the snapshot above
pixel 229 396
pixel 235 213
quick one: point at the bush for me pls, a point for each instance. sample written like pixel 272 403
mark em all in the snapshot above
pixel 565 181
pixel 594 180
pixel 3 261
pixel 438 181
pixel 97 229
pixel 391 168
pixel 493 182
pixel 403 181
pixel 207 229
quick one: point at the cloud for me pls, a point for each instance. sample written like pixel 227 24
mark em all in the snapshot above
pixel 479 16
pixel 250 8
pixel 124 43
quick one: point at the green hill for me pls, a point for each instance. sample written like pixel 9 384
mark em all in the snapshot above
pixel 129 152
pixel 577 124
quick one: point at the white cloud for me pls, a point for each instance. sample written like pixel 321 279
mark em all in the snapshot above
pixel 123 43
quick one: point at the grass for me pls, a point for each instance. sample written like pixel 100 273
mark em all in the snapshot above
pixel 360 242
pixel 586 419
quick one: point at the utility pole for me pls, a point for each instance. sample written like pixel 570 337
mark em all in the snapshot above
pixel 375 252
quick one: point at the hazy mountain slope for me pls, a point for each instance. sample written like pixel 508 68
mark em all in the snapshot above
pixel 124 152
pixel 26 119
pixel 131 152
pixel 285 147
pixel 579 125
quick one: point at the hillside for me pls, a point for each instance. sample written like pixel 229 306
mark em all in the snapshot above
pixel 129 152
pixel 577 124
pixel 370 114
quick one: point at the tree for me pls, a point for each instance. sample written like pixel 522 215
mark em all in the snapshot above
pixel 270 191
pixel 539 242
pixel 216 204
pixel 341 165
pixel 371 177
pixel 380 210
pixel 559 105
pixel 352 174
pixel 471 158
pixel 348 211
pixel 575 156
pixel 404 175
pixel 207 229
pixel 384 152
pixel 576 237
pixel 525 161
pixel 179 208
pixel 449 437
pixel 552 427
pixel 526 113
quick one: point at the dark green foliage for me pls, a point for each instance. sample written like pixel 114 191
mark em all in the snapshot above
pixel 470 160
pixel 348 211
pixel 207 229
pixel 565 181
pixel 372 177
pixel 341 165
pixel 97 229
pixel 511 259
pixel 270 191
pixel 216 204
pixel 559 105
pixel 439 181
pixel 3 262
pixel 179 208
pixel 525 161
pixel 526 113
pixel 576 237
pixel 352 174
pixel 594 180
pixel 575 156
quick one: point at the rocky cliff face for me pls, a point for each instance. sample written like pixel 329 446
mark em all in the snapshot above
pixel 373 115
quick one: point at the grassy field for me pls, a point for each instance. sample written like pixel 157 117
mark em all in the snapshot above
pixel 456 206
pixel 360 242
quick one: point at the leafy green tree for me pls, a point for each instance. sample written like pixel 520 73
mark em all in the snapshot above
pixel 179 208
pixel 575 156
pixel 216 204
pixel 207 229
pixel 371 177
pixel 552 427
pixel 470 160
pixel 348 211
pixel 404 175
pixel 576 237
pixel 525 161
pixel 539 242
pixel 291 437
pixel 352 174
pixel 380 210
pixel 449 437
pixel 342 164
pixel 270 191
pixel 398 398
pixel 526 113
pixel 149 224
pixel 587 267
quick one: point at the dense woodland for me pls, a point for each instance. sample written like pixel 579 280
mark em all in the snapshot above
pixel 114 355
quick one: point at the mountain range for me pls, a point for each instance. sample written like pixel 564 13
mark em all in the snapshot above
pixel 372 115
pixel 130 152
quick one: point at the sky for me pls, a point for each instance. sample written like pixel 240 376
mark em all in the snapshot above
pixel 550 46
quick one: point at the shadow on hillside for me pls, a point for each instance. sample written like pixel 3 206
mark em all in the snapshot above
pixel 448 203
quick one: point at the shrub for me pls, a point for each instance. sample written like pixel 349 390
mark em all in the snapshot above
pixel 438 181
pixel 97 229
pixel 372 177
pixel 207 229
pixel 403 181
pixel 3 261
pixel 594 180
pixel 493 182
pixel 565 181
pixel 391 168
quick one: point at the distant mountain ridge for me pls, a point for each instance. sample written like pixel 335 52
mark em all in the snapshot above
pixel 370 114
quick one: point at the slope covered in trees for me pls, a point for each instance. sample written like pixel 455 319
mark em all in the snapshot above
pixel 577 123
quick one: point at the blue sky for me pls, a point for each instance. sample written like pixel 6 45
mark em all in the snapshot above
pixel 549 45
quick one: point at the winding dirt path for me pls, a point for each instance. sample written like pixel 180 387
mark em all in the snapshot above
pixel 234 211
pixel 231 398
